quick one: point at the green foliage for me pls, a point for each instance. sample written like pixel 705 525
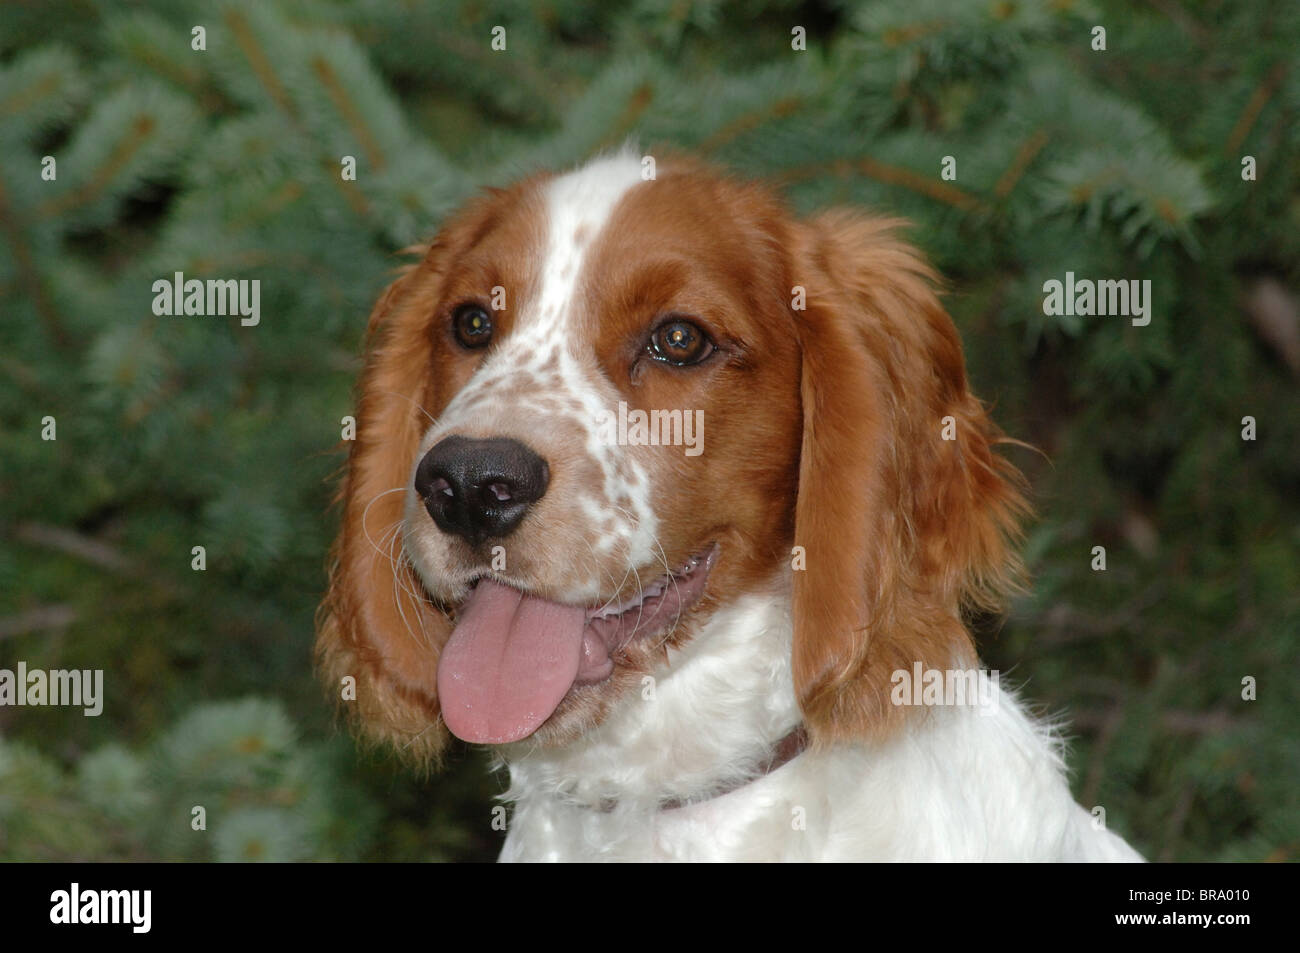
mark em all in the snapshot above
pixel 177 432
pixel 264 795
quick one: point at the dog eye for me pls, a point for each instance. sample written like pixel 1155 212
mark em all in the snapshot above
pixel 679 343
pixel 473 325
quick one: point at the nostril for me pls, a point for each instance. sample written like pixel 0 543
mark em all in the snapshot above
pixel 480 488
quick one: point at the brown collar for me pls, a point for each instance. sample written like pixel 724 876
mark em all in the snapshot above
pixel 785 751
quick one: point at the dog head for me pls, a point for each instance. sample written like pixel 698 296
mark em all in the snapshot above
pixel 603 406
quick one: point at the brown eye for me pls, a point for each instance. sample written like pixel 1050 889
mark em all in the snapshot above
pixel 679 343
pixel 473 325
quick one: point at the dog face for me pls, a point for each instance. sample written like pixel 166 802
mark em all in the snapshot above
pixel 602 407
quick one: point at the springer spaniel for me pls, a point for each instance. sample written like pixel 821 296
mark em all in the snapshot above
pixel 678 502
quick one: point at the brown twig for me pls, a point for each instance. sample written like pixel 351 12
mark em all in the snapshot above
pixel 266 75
pixel 29 274
pixel 1177 819
pixel 85 548
pixel 742 124
pixel 258 60
pixel 1254 106
pixel 1025 155
pixel 37 620
pixel 141 129
pixel 17 103
pixel 1189 24
pixel 349 111
pixel 1106 735
pixel 97 553
pixel 890 175
pixel 640 101
pixel 1066 624
pixel 1196 723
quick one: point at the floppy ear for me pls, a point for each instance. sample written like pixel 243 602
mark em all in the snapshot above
pixel 376 624
pixel 903 529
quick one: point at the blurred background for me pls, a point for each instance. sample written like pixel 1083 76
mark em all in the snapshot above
pixel 1127 162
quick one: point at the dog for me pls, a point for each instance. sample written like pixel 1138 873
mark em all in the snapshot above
pixel 682 504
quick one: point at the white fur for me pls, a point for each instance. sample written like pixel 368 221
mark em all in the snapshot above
pixel 957 785
pixel 622 525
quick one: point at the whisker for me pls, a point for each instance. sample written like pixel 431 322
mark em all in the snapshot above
pixel 393 393
pixel 365 514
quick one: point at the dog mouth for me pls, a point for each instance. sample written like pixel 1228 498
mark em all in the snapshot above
pixel 514 656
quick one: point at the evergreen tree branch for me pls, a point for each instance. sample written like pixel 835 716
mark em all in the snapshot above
pixel 71 543
pixel 743 124
pixel 181 72
pixel 1177 821
pixel 21 101
pixel 350 113
pixel 37 620
pixel 1188 23
pixel 639 102
pixel 127 148
pixel 349 190
pixel 19 372
pixel 1197 724
pixel 1110 726
pixel 1258 100
pixel 270 80
pixel 890 175
pixel 1024 157
pixel 29 275
pixel 97 553
pixel 260 62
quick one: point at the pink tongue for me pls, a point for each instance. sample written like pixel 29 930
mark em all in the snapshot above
pixel 509 662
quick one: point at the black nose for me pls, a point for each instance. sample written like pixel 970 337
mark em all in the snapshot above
pixel 480 489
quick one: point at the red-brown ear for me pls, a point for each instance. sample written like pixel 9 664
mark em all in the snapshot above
pixel 375 624
pixel 903 529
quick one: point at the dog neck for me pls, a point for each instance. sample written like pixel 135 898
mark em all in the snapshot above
pixel 786 750
pixel 723 713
